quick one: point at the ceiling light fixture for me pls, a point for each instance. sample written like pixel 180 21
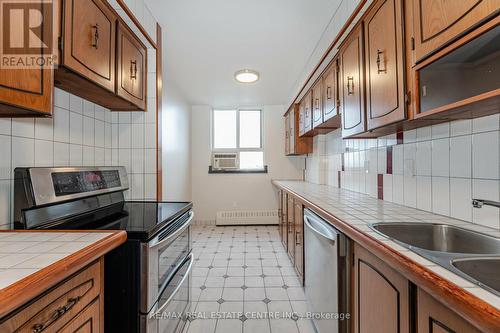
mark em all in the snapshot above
pixel 246 76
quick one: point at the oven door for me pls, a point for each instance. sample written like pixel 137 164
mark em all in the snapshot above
pixel 169 314
pixel 161 257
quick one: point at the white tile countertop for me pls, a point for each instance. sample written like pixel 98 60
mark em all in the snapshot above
pixel 25 253
pixel 360 210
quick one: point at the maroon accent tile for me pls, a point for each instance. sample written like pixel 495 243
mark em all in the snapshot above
pixel 389 160
pixel 380 186
pixel 343 161
pixel 399 138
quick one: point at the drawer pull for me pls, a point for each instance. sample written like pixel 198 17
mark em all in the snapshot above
pixel 133 69
pixel 350 82
pixel 58 313
pixel 379 61
pixel 95 36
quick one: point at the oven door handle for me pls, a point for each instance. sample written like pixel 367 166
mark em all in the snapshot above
pixel 156 243
pixel 153 314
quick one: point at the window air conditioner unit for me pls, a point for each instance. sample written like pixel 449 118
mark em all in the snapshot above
pixel 222 161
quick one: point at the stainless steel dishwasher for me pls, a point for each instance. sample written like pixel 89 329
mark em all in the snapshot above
pixel 326 272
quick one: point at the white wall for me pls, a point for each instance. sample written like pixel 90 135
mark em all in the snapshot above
pixel 176 146
pixel 219 192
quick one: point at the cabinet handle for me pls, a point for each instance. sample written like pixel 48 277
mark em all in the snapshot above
pixel 95 36
pixel 328 93
pixel 133 69
pixel 379 61
pixel 350 82
pixel 297 241
pixel 317 103
pixel 58 313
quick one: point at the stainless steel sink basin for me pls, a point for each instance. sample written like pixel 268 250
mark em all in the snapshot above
pixel 485 271
pixel 440 238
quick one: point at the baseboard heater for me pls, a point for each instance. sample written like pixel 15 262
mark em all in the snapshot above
pixel 249 217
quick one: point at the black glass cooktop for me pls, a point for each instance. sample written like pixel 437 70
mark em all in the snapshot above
pixel 141 219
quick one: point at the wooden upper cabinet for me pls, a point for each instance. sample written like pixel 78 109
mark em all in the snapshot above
pixel 296 144
pixel 330 92
pixel 433 317
pixel 317 105
pixel 381 296
pixel 131 68
pixel 287 134
pixel 302 118
pixel 27 91
pixel 384 63
pixel 437 22
pixel 292 131
pixel 89 41
pixel 308 112
pixel 352 84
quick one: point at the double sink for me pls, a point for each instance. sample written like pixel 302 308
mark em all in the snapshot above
pixel 470 254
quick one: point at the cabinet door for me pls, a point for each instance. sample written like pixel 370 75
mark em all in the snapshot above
pixel 330 92
pixel 24 90
pixel 433 317
pixel 299 240
pixel 291 228
pixel 381 296
pixel 291 131
pixel 317 104
pixel 87 321
pixel 302 118
pixel 438 22
pixel 287 134
pixel 385 86
pixel 284 220
pixel 308 112
pixel 352 90
pixel 89 41
pixel 131 73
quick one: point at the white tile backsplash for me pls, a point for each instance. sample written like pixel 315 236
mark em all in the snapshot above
pixel 438 168
pixel 485 155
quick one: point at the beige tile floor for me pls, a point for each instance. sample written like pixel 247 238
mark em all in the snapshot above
pixel 243 282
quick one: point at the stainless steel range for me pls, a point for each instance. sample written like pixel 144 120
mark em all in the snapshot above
pixel 147 279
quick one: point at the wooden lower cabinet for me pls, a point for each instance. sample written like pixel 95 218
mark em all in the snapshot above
pixel 284 219
pixel 291 227
pixel 433 317
pixel 74 305
pixel 381 296
pixel 299 239
pixel 87 321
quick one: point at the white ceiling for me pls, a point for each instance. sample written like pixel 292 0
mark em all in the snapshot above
pixel 206 41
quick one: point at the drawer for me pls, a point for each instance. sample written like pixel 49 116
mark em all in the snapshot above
pixel 55 308
pixel 87 321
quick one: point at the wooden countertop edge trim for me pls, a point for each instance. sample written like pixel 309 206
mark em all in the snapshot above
pixel 28 288
pixel 479 313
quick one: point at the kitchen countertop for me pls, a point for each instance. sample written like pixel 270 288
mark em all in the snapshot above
pixel 31 262
pixel 352 212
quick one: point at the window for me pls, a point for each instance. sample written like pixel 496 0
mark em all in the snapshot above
pixel 240 131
